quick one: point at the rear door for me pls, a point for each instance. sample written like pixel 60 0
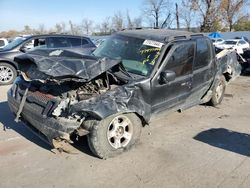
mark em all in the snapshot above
pixel 174 93
pixel 204 67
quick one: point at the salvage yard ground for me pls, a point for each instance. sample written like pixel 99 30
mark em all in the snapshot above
pixel 200 147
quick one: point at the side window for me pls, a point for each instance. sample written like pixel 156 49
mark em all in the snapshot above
pixel 84 41
pixel 242 42
pixel 29 45
pixel 58 42
pixel 181 59
pixel 35 43
pixel 77 41
pixel 203 53
pixel 39 43
pixel 2 43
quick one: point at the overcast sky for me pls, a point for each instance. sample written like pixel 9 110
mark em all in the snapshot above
pixel 14 14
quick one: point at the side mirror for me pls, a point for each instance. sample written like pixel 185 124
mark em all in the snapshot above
pixel 23 49
pixel 167 76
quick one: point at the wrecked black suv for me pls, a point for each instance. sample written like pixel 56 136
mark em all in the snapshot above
pixel 109 96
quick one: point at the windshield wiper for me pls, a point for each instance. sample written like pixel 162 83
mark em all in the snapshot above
pixel 124 71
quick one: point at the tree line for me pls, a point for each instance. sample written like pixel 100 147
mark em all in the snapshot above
pixel 195 15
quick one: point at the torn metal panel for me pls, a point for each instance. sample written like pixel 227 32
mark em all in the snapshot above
pixel 120 100
pixel 228 61
pixel 59 64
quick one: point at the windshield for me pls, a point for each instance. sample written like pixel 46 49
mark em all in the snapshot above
pixel 137 55
pixel 230 42
pixel 14 43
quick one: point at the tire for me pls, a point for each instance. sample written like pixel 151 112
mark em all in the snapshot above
pixel 218 91
pixel 8 74
pixel 113 135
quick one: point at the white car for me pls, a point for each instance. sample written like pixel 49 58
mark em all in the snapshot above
pixel 3 42
pixel 238 44
pixel 217 41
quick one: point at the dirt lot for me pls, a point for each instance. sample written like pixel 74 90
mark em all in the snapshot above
pixel 200 147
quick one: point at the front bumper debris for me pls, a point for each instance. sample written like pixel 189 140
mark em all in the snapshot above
pixel 36 113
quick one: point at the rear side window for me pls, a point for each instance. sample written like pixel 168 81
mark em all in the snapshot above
pixel 77 41
pixel 242 42
pixel 203 53
pixel 58 42
pixel 181 59
pixel 2 43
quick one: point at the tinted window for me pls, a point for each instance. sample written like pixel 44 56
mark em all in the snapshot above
pixel 58 42
pixel 35 43
pixel 230 42
pixel 181 59
pixel 38 43
pixel 203 53
pixel 242 42
pixel 77 41
pixel 2 43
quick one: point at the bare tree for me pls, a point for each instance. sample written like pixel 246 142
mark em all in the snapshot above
pixel 63 25
pixel 74 29
pixel 186 14
pixel 159 10
pixel 137 22
pixel 118 21
pixel 87 26
pixel 209 12
pixel 130 24
pixel 58 28
pixel 27 29
pixel 41 29
pixel 105 26
pixel 231 11
pixel 177 16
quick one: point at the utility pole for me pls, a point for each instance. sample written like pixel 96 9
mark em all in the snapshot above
pixel 177 16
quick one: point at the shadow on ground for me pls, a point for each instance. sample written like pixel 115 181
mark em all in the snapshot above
pixel 7 119
pixel 226 139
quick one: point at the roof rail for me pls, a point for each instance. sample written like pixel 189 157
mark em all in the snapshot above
pixel 197 35
pixel 138 28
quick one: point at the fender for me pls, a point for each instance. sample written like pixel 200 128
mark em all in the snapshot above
pixel 10 61
pixel 121 100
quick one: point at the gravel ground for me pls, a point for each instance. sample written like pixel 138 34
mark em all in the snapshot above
pixel 200 147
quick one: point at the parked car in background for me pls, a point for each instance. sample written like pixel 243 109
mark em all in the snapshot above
pixel 8 67
pixel 238 44
pixel 217 41
pixel 3 42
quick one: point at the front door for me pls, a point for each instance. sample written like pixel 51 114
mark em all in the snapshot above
pixel 173 93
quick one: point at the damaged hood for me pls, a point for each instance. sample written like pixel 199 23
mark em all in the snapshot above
pixel 62 64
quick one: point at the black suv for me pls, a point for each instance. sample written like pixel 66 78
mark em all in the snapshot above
pixel 109 96
pixel 8 67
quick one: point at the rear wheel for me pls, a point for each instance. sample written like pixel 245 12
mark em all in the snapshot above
pixel 114 134
pixel 218 91
pixel 8 74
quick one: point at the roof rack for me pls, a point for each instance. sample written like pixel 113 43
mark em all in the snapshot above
pixel 183 37
pixel 138 28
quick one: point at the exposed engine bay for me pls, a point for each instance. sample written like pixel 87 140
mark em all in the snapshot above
pixel 72 92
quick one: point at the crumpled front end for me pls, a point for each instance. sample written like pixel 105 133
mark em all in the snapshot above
pixel 37 112
pixel 59 104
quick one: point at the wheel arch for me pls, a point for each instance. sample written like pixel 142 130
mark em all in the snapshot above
pixel 13 63
pixel 100 116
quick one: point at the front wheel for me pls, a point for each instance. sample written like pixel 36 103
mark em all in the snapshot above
pixel 114 134
pixel 8 74
pixel 218 91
